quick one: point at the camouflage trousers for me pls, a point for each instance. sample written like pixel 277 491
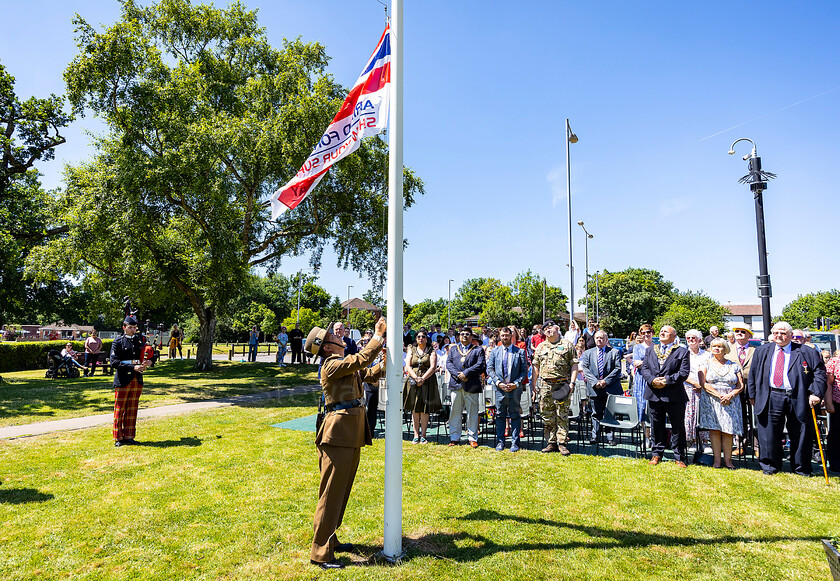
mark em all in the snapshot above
pixel 555 414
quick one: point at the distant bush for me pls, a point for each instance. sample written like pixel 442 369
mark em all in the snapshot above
pixel 21 355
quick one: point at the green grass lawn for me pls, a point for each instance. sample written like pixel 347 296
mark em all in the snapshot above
pixel 27 397
pixel 220 494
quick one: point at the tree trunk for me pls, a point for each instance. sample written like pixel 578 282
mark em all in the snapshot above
pixel 206 330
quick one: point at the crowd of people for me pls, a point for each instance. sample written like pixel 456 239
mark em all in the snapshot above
pixel 719 392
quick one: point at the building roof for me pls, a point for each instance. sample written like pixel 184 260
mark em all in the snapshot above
pixel 62 326
pixel 744 310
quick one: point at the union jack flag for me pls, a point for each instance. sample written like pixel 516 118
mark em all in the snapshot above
pixel 363 113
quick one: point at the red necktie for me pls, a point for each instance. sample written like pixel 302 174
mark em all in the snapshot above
pixel 778 369
pixel 742 356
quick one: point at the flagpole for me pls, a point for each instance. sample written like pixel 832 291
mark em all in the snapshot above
pixel 392 549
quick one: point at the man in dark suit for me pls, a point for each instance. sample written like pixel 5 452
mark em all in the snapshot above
pixel 786 380
pixel 296 343
pixel 665 368
pixel 602 371
pixel 507 368
pixel 465 364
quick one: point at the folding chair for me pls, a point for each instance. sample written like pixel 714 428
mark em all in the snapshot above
pixel 618 408
pixel 526 412
pixel 574 416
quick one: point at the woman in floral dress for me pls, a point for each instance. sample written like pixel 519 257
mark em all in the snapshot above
pixel 720 401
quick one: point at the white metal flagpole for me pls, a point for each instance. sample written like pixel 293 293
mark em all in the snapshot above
pixel 392 549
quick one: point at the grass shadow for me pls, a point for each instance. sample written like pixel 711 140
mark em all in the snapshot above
pixel 465 547
pixel 43 399
pixel 185 441
pixel 23 496
pixel 451 545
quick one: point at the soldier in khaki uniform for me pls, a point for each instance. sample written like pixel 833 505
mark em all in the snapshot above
pixel 554 361
pixel 342 434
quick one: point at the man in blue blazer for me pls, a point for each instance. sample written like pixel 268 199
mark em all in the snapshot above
pixel 602 371
pixel 665 368
pixel 507 369
pixel 465 364
pixel 786 380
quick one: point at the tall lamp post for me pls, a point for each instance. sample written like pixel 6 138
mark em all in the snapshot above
pixel 448 301
pixel 597 300
pixel 349 286
pixel 586 245
pixel 570 138
pixel 543 311
pixel 758 183
pixel 300 282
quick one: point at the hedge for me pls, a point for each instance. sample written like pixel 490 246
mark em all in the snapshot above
pixel 21 355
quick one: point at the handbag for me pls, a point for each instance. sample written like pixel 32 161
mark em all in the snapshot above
pixel 562 392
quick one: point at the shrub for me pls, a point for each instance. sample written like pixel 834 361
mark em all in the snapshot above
pixel 18 356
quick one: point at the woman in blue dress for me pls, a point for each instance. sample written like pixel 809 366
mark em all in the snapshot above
pixel 639 350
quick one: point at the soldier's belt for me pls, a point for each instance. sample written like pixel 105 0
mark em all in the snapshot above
pixel 552 380
pixel 130 362
pixel 345 405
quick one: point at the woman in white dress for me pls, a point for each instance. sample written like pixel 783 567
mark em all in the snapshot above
pixel 697 356
pixel 720 401
pixel 573 334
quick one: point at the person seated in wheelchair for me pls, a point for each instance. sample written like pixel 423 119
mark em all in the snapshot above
pixel 69 355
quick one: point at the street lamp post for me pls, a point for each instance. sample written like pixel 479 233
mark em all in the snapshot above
pixel 597 300
pixel 758 183
pixel 448 301
pixel 349 286
pixel 570 138
pixel 543 311
pixel 586 245
pixel 300 282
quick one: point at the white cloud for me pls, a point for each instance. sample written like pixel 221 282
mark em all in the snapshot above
pixel 557 180
pixel 672 206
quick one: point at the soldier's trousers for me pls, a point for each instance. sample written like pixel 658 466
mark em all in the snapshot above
pixel 338 470
pixel 555 415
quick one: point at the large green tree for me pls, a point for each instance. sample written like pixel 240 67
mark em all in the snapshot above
pixel 807 311
pixel 631 297
pixel 693 310
pixel 473 296
pixel 526 292
pixel 30 130
pixel 205 119
pixel 427 313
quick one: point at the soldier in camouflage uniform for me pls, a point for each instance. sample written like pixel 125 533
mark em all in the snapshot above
pixel 554 361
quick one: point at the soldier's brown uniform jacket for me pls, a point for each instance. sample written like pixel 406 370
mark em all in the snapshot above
pixel 341 380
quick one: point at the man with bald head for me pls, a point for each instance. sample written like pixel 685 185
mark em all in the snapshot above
pixel 665 368
pixel 602 370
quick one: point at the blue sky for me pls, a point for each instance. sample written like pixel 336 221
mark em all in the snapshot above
pixel 651 89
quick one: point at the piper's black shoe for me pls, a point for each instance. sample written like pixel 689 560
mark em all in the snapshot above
pixel 119 443
pixel 334 564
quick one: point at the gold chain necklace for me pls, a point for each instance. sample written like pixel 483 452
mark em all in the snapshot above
pixel 465 353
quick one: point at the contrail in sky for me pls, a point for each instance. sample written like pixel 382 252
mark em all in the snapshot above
pixel 771 113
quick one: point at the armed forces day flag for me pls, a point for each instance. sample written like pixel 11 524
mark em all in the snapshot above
pixel 364 113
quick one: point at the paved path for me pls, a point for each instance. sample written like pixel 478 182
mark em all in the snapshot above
pixel 39 428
